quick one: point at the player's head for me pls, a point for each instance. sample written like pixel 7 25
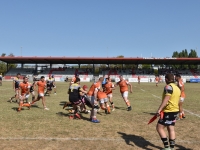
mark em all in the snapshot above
pixel 121 77
pixel 18 75
pixel 177 77
pixel 169 78
pixel 77 80
pixel 25 79
pixel 85 88
pixel 52 76
pixel 49 76
pixel 42 78
pixel 108 79
pixel 101 79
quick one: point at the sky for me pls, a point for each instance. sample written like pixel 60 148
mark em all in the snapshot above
pixel 99 28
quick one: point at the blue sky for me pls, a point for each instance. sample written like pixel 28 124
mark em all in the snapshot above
pixel 99 28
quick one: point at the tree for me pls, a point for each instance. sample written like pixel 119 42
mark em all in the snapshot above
pixel 3 67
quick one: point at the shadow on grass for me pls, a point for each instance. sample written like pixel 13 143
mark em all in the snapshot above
pixel 70 114
pixel 179 147
pixel 62 103
pixel 149 113
pixel 121 108
pixel 138 141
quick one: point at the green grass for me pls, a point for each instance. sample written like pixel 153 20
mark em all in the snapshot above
pixel 53 130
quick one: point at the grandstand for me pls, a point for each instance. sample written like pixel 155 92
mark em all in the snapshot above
pixel 87 74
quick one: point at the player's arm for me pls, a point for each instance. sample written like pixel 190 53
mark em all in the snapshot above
pixel 117 84
pixel 81 90
pixel 112 87
pixel 131 87
pixel 164 103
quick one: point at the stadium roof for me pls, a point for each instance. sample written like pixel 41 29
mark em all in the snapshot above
pixel 98 60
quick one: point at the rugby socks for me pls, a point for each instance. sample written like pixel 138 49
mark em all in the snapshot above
pixel 172 143
pixel 108 108
pixel 165 142
pixel 112 104
pixel 33 98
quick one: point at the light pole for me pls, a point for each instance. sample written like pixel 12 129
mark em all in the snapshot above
pixel 21 51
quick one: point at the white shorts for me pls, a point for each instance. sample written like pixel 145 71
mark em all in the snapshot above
pixel 104 100
pixel 110 95
pixel 182 99
pixel 24 96
pixel 125 94
pixel 40 94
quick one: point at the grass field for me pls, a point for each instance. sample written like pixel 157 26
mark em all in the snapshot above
pixel 38 129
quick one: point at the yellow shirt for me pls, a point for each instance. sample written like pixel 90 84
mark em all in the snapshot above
pixel 174 92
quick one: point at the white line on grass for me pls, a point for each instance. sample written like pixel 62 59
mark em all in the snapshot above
pixel 142 90
pixel 89 139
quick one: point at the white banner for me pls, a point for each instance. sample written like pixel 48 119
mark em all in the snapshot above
pixel 85 79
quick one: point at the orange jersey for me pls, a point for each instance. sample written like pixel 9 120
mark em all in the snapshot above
pixel 157 79
pixel 41 86
pixel 24 88
pixel 101 95
pixel 123 85
pixel 108 87
pixel 182 87
pixel 93 87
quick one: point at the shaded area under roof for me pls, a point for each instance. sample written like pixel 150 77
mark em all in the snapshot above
pixel 98 60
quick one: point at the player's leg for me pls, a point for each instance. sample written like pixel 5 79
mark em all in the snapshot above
pixel 161 131
pixel 94 110
pixel 21 101
pixel 111 101
pixel 43 101
pixel 54 87
pixel 125 97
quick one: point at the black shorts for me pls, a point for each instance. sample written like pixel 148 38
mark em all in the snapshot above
pixel 49 88
pixel 169 119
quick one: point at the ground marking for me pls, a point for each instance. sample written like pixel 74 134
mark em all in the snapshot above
pixel 90 139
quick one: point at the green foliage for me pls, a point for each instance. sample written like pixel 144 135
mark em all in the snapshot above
pixel 3 66
pixel 184 54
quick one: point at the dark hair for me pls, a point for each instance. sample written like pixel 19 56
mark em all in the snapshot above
pixel 77 80
pixel 25 77
pixel 18 74
pixel 170 77
pixel 42 77
pixel 178 75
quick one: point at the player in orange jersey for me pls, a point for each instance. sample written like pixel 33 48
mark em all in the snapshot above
pixel 92 95
pixel 181 86
pixel 16 82
pixel 157 80
pixel 108 87
pixel 41 87
pixel 138 79
pixel 24 90
pixel 123 85
pixel 103 99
